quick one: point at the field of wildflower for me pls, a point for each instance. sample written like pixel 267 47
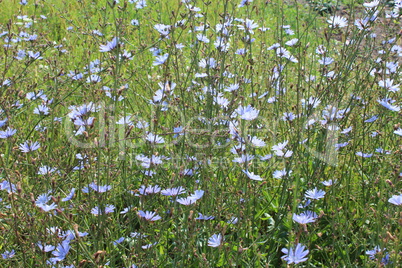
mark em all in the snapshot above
pixel 188 133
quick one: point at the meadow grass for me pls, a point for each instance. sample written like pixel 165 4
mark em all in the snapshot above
pixel 200 134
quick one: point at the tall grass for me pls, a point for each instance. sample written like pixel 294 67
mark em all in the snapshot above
pixel 200 134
